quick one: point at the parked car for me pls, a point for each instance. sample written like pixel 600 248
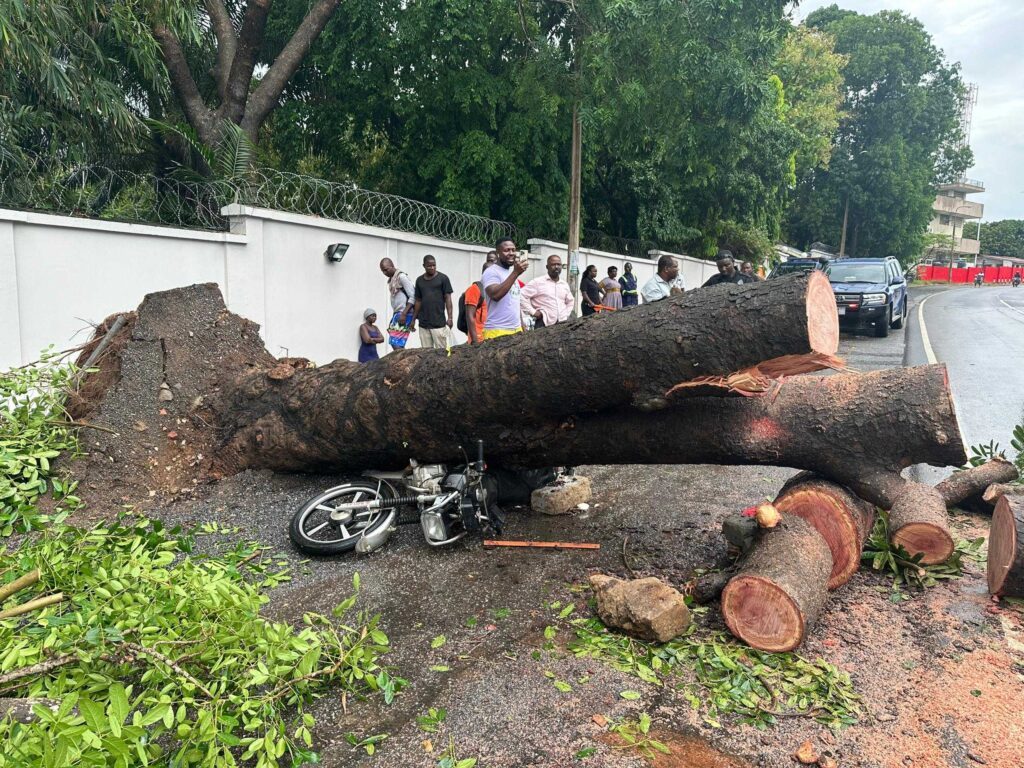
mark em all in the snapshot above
pixel 870 293
pixel 797 265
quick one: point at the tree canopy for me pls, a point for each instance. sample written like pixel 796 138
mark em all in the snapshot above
pixel 1002 238
pixel 897 137
pixel 702 121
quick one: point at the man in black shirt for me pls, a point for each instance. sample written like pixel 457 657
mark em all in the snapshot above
pixel 433 306
pixel 727 272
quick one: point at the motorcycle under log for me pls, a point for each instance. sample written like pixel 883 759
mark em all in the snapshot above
pixel 363 513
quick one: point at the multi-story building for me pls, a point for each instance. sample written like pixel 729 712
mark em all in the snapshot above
pixel 951 213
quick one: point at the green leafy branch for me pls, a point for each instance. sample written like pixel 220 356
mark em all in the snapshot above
pixel 33 432
pixel 755 686
pixel 160 656
pixel 636 735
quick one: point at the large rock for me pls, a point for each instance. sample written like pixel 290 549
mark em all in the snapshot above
pixel 645 608
pixel 562 496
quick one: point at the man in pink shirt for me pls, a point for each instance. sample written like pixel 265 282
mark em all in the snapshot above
pixel 547 299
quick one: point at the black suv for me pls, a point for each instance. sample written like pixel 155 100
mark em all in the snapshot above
pixel 869 293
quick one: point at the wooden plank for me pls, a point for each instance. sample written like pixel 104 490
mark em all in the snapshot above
pixel 491 543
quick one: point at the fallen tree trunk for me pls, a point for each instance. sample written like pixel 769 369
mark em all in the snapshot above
pixel 776 596
pixel 1005 567
pixel 842 519
pixel 425 402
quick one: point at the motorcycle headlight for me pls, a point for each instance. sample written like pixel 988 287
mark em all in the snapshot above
pixel 873 298
pixel 433 526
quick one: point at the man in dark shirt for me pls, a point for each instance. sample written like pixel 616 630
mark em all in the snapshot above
pixel 727 272
pixel 433 306
pixel 747 270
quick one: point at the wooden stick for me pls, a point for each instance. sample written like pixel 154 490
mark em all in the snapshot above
pixel 19 584
pixel 32 605
pixel 142 650
pixel 111 332
pixel 490 543
pixel 38 668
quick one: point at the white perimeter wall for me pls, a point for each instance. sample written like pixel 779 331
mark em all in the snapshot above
pixel 60 274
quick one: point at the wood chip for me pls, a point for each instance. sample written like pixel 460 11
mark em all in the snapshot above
pixel 806 754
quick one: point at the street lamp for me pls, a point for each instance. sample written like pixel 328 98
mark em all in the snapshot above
pixel 952 242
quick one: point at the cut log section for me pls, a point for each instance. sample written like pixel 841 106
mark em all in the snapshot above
pixel 966 484
pixel 919 523
pixel 994 491
pixel 1006 548
pixel 778 593
pixel 843 520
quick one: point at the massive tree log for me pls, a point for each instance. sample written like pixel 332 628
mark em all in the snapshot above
pixel 1006 548
pixel 344 414
pixel 776 596
pixel 232 406
pixel 842 519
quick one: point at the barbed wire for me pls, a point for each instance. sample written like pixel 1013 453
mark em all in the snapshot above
pixel 103 192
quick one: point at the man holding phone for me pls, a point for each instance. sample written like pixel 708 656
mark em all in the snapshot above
pixel 501 284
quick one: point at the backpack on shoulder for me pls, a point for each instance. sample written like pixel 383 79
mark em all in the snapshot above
pixel 462 322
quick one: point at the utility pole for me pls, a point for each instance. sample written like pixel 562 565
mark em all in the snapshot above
pixel 574 202
pixel 846 217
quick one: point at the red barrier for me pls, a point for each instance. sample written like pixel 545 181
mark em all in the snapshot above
pixel 1005 274
pixel 959 275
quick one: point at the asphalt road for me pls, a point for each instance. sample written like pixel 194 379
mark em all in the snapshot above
pixel 979 334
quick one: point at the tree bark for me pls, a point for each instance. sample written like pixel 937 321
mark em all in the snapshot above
pixel 264 98
pixel 239 79
pixel 199 116
pixel 22 710
pixel 970 483
pixel 517 393
pixel 842 519
pixel 1006 548
pixel 919 523
pixel 227 42
pixel 778 593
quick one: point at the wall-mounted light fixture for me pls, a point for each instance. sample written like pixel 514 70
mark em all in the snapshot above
pixel 336 252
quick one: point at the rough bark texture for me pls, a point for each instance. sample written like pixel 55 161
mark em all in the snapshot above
pixel 967 487
pixel 843 520
pixel 919 523
pixel 1006 548
pixel 428 402
pixel 778 593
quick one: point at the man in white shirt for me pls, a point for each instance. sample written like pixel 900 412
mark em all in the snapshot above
pixel 547 299
pixel 666 282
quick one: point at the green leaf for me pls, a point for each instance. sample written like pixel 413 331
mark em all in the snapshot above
pixel 562 686
pixel 629 695
pixel 438 641
pixel 586 752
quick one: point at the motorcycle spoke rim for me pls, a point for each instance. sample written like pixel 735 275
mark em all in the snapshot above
pixel 354 528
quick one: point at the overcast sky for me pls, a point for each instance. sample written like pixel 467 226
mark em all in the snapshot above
pixel 987 38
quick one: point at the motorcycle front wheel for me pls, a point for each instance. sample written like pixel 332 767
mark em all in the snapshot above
pixel 315 532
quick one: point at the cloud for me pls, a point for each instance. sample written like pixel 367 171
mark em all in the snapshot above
pixel 986 37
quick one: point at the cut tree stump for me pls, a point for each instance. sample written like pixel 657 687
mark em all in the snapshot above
pixel 919 523
pixel 843 520
pixel 1006 548
pixel 776 596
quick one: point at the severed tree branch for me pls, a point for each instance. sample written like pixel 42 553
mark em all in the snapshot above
pixel 265 97
pixel 239 78
pixel 227 42
pixel 198 114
